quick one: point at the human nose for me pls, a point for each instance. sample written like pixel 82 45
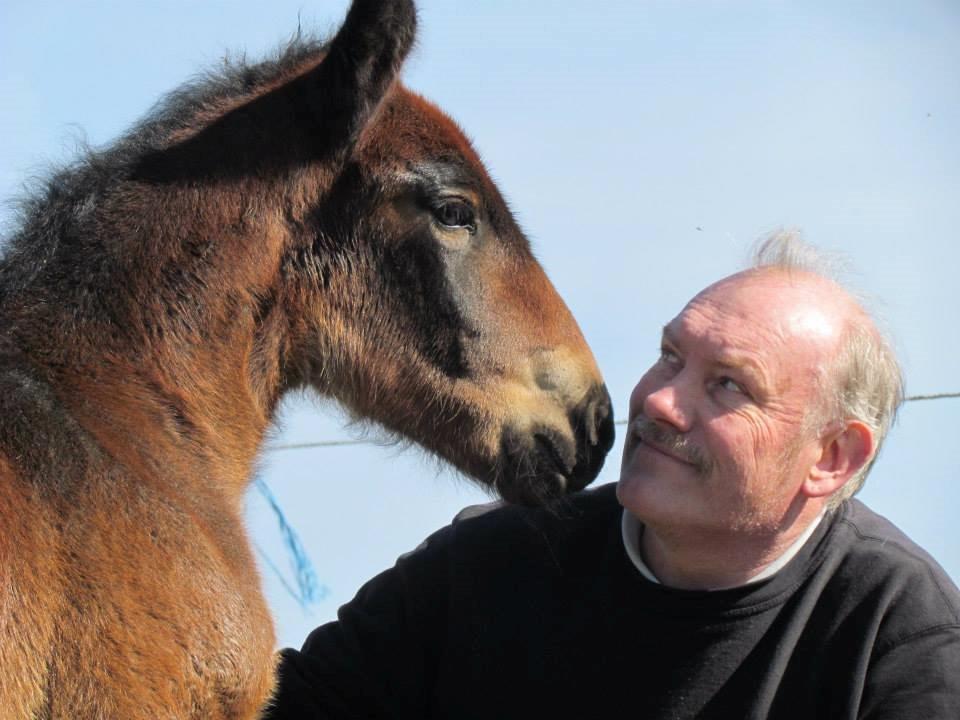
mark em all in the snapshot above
pixel 665 402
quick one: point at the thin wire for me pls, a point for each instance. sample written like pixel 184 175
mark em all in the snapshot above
pixel 936 396
pixel 280 576
pixel 345 443
pixel 325 443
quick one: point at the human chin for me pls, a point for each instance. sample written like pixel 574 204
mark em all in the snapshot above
pixel 651 482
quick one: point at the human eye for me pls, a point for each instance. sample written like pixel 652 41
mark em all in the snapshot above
pixel 668 357
pixel 734 387
pixel 728 383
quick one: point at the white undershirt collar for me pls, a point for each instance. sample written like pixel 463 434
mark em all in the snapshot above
pixel 631 529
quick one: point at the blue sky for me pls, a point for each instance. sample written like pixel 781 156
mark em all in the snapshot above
pixel 643 146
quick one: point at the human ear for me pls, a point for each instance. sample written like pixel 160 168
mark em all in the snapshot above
pixel 843 451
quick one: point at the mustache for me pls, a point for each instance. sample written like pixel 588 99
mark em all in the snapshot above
pixel 673 442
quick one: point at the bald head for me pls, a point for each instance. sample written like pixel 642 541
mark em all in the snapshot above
pixel 805 310
pixel 803 305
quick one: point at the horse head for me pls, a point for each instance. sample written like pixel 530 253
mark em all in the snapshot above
pixel 419 303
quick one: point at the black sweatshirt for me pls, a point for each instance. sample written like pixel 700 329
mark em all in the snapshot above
pixel 520 613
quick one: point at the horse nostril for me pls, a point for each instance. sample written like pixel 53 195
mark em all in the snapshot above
pixel 604 430
pixel 597 412
pixel 593 423
pixel 598 419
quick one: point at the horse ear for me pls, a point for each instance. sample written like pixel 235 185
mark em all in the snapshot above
pixel 361 62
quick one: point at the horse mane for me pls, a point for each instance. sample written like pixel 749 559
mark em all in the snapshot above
pixel 63 192
pixel 59 249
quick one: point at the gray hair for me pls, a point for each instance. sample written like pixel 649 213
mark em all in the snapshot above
pixel 864 381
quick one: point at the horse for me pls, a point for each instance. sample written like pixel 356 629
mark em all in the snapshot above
pixel 304 222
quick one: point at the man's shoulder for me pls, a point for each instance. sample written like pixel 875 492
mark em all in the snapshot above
pixel 880 559
pixel 874 537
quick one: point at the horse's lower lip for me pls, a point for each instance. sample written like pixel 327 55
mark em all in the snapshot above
pixel 533 469
pixel 550 450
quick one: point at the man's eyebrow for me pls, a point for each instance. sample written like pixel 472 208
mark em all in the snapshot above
pixel 739 362
pixel 724 359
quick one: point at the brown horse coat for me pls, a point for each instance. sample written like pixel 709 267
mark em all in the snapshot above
pixel 302 222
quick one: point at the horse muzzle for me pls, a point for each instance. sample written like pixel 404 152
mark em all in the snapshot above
pixel 543 462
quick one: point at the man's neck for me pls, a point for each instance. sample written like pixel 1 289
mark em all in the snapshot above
pixel 715 561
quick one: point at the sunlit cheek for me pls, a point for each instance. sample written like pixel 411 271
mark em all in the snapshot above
pixel 741 442
pixel 777 454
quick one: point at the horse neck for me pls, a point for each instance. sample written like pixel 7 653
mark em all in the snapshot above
pixel 180 423
pixel 182 408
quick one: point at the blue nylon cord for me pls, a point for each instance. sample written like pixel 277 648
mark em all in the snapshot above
pixel 308 591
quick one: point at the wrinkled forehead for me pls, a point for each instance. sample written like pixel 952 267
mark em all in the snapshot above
pixel 798 319
pixel 792 304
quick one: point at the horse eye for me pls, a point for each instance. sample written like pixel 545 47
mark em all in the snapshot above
pixel 455 214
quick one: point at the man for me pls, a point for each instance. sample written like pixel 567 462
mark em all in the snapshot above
pixel 737 580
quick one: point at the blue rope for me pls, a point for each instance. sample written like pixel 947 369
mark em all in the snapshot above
pixel 308 591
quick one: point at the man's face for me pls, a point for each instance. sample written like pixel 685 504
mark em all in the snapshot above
pixel 720 436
